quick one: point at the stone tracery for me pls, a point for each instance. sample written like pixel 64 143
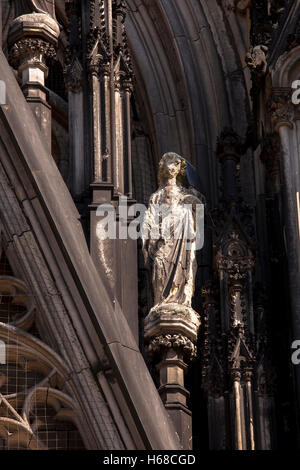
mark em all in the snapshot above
pixel 32 379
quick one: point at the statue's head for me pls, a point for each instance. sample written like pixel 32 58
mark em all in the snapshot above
pixel 171 165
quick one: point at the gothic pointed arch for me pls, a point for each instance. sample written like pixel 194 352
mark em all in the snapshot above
pixel 37 410
pixel 184 69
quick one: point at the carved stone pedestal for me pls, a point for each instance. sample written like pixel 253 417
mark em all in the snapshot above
pixel 174 395
pixel 33 40
pixel 170 335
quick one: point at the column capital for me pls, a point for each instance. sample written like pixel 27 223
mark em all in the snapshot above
pixel 33 40
pixel 281 108
pixel 73 75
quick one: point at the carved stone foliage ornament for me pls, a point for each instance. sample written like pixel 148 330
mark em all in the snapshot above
pixel 73 75
pixel 31 51
pixel 33 39
pixel 177 342
pixel 73 68
pixel 281 108
pixel 233 257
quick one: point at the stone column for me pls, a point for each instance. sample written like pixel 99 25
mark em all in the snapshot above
pixel 282 113
pixel 236 380
pixel 270 157
pixel 73 75
pixel 104 61
pixel 119 137
pixel 76 132
pixel 170 336
pixel 235 263
pixel 249 394
pixel 127 90
pixel 32 40
pixel 229 360
pixel 106 134
pixel 93 67
pixel 213 360
pixel 228 149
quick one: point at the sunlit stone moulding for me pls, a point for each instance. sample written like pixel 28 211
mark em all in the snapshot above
pixel 172 319
pixel 33 39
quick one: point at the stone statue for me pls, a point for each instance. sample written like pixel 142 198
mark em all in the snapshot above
pixel 170 241
pixel 35 6
pixel 169 235
pixel 256 59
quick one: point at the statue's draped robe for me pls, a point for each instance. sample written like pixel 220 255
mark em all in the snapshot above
pixel 172 258
pixel 35 6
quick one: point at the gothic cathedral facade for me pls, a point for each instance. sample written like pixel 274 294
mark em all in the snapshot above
pixel 93 93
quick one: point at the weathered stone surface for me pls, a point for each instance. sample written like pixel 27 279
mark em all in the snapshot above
pixel 93 303
pixel 200 68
